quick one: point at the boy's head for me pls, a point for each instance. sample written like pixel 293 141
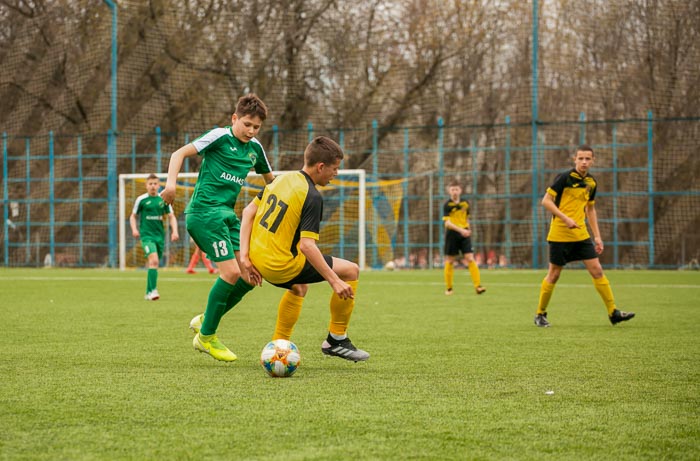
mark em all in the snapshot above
pixel 322 159
pixel 583 159
pixel 248 118
pixel 454 189
pixel 152 184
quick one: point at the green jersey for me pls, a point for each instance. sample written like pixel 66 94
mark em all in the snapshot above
pixel 151 210
pixel 226 162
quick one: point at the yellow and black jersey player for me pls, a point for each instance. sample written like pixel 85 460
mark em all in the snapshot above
pixel 279 231
pixel 571 200
pixel 458 241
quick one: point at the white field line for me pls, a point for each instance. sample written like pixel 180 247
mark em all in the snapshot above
pixel 366 282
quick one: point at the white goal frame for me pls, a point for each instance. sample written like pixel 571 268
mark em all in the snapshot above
pixel 362 202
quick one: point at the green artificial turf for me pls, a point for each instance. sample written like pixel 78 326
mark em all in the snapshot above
pixel 91 371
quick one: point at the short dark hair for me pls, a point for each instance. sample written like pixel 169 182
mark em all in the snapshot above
pixel 252 105
pixel 153 176
pixel 584 148
pixel 322 150
pixel 454 183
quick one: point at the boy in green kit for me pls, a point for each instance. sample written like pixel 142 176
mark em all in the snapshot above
pixel 228 154
pixel 151 208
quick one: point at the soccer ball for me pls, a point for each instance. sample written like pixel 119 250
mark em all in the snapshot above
pixel 390 266
pixel 280 358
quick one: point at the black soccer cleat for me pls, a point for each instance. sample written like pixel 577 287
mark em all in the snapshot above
pixel 344 349
pixel 620 316
pixel 480 290
pixel 541 320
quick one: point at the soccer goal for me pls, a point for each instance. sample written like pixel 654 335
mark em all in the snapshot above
pixel 343 225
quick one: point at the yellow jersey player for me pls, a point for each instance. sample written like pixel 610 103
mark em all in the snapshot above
pixel 279 230
pixel 571 200
pixel 458 242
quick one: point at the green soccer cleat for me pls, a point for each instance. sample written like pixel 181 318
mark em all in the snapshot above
pixel 196 323
pixel 214 347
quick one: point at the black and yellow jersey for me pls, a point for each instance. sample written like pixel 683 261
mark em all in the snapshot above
pixel 456 212
pixel 289 208
pixel 571 193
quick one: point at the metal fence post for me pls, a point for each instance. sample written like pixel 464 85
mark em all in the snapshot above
pixel 650 182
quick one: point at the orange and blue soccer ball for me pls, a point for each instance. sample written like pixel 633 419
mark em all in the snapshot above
pixel 280 358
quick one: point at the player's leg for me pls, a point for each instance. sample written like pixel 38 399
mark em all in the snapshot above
pixel 288 311
pixel 449 274
pixel 193 260
pixel 451 253
pixel 602 286
pixel 207 263
pixel 150 250
pixel 338 343
pixel 558 252
pixel 210 230
pixel 474 272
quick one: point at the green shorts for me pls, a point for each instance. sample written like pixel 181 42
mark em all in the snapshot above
pixel 152 246
pixel 216 232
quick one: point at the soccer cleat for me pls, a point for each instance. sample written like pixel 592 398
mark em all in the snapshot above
pixel 480 290
pixel 344 349
pixel 620 316
pixel 541 320
pixel 196 323
pixel 214 347
pixel 190 271
pixel 449 292
pixel 152 296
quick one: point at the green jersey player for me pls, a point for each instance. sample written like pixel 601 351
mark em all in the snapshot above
pixel 228 155
pixel 150 209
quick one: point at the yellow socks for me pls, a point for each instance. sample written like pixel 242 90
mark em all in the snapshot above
pixel 449 275
pixel 288 313
pixel 475 274
pixel 602 286
pixel 545 295
pixel 341 310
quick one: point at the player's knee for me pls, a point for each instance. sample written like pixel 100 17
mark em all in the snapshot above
pixel 299 289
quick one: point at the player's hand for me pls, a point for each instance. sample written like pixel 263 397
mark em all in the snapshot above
pixel 249 272
pixel 168 194
pixel 571 224
pixel 343 290
pixel 136 234
pixel 599 246
pixel 466 232
pixel 174 237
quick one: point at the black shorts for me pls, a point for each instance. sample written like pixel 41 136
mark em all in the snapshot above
pixel 455 244
pixel 561 253
pixel 308 274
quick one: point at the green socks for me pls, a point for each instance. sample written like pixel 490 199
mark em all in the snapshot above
pixel 222 297
pixel 152 280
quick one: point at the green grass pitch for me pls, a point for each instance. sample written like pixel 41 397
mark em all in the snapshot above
pixel 91 371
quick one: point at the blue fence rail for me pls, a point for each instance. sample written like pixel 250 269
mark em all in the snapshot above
pixel 60 192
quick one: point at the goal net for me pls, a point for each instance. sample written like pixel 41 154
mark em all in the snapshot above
pixel 343 225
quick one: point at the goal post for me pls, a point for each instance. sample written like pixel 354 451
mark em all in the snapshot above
pixel 343 225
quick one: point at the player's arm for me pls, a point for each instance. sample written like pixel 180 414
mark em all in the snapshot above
pixel 134 226
pixel 248 270
pixel 308 246
pixel 174 234
pixel 549 205
pixel 176 160
pixel 592 218
pixel 268 177
pixel 452 226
